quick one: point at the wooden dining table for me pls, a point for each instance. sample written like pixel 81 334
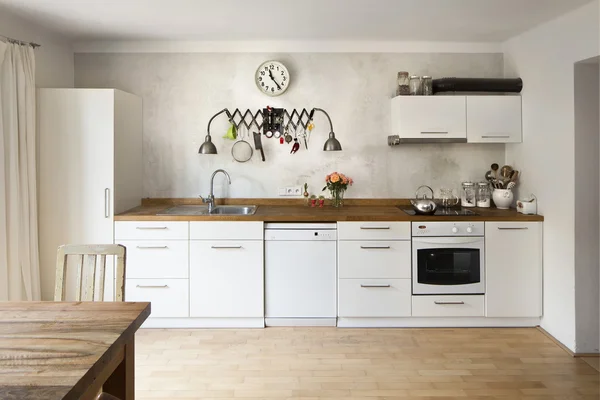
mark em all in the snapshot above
pixel 64 350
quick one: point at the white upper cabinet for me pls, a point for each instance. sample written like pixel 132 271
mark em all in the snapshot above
pixel 494 119
pixel 425 118
pixel 513 263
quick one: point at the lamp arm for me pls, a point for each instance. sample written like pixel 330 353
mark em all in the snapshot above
pixel 324 112
pixel 215 116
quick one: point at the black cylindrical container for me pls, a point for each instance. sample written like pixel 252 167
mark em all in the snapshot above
pixel 514 85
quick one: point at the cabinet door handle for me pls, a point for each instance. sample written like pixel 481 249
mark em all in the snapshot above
pixel 495 136
pixel 375 286
pixel 434 132
pixel 225 247
pixel 152 247
pixel 107 203
pixel 522 228
pixel 375 247
pixel 448 302
pixel 150 228
pixel 152 286
pixel 374 227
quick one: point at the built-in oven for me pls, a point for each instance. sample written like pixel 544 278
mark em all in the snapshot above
pixel 448 258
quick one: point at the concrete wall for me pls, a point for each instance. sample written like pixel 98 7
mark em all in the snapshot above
pixel 181 91
pixel 544 57
pixel 587 215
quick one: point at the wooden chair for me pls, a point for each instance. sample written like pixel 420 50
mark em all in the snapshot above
pixel 91 261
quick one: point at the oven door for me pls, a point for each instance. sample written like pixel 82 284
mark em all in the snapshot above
pixel 448 265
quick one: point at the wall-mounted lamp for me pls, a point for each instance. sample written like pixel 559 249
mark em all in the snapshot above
pixel 332 144
pixel 208 146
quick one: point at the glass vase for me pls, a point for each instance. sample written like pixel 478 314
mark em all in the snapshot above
pixel 337 197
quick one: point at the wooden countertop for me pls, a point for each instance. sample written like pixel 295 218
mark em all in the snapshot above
pixel 294 211
pixel 63 350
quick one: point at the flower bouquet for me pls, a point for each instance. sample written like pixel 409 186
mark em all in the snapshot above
pixel 337 184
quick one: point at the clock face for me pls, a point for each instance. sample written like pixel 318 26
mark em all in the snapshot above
pixel 272 78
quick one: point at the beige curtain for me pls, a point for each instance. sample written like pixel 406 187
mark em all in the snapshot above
pixel 19 259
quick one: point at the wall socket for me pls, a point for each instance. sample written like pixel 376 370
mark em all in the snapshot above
pixel 294 191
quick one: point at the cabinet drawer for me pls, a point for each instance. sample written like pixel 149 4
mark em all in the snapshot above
pixel 374 230
pixel 156 259
pixel 226 279
pixel 448 306
pixel 151 230
pixel 374 298
pixel 374 259
pixel 226 230
pixel 169 297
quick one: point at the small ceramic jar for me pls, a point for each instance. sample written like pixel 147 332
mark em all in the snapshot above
pixel 503 198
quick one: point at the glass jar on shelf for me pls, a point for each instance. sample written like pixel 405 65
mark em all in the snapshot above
pixel 403 88
pixel 427 86
pixel 483 195
pixel 468 195
pixel 415 85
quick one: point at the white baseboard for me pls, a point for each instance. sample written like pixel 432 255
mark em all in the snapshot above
pixel 415 322
pixel 204 323
pixel 300 321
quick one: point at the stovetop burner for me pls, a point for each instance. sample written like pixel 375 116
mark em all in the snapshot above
pixel 445 212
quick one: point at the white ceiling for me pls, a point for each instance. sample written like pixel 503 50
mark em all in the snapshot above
pixel 235 20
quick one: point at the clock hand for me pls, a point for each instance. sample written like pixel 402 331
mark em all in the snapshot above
pixel 273 79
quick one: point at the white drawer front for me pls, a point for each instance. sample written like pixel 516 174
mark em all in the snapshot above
pixel 374 259
pixel 156 259
pixel 151 230
pixel 226 279
pixel 374 298
pixel 374 230
pixel 202 230
pixel 448 306
pixel 169 297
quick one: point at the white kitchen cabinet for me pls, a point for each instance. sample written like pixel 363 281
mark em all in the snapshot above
pixel 448 306
pixel 226 279
pixel 513 260
pixel 164 259
pixel 373 230
pixel 425 118
pixel 169 298
pixel 494 119
pixel 383 298
pixel 152 230
pixel 90 168
pixel 374 259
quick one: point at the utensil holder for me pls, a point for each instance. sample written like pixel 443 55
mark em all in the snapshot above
pixel 503 198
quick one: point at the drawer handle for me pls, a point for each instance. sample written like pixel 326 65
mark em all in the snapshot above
pixel 225 247
pixel 524 228
pixel 375 286
pixel 375 247
pixel 152 286
pixel 374 227
pixel 434 133
pixel 495 136
pixel 152 247
pixel 149 228
pixel 449 302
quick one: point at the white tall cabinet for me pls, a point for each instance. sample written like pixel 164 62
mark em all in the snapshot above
pixel 90 168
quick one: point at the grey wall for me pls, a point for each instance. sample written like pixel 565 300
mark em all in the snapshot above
pixel 182 91
pixel 587 215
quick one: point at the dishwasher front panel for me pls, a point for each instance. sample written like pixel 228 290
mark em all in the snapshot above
pixel 300 279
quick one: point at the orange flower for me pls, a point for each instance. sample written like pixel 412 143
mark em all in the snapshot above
pixel 335 178
pixel 350 181
pixel 327 178
pixel 344 180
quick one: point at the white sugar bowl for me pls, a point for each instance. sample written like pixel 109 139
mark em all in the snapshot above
pixel 503 198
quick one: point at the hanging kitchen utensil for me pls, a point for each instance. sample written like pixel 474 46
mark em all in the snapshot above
pixel 295 146
pixel 231 132
pixel 288 138
pixel 242 150
pixel 258 144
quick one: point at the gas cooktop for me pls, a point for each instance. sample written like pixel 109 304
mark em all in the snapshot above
pixel 445 212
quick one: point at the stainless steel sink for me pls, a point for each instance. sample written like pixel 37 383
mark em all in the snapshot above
pixel 234 210
pixel 203 210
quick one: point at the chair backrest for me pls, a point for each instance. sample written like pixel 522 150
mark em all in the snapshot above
pixel 91 262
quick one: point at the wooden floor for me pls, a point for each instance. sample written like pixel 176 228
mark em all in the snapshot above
pixel 329 363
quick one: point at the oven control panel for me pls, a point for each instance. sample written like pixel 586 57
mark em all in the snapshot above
pixel 448 228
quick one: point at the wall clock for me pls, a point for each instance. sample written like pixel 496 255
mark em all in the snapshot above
pixel 272 78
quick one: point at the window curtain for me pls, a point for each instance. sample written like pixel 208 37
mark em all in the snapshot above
pixel 19 258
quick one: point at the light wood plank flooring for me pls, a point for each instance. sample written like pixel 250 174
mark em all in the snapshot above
pixel 329 363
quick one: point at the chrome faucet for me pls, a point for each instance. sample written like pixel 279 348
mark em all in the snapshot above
pixel 210 200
